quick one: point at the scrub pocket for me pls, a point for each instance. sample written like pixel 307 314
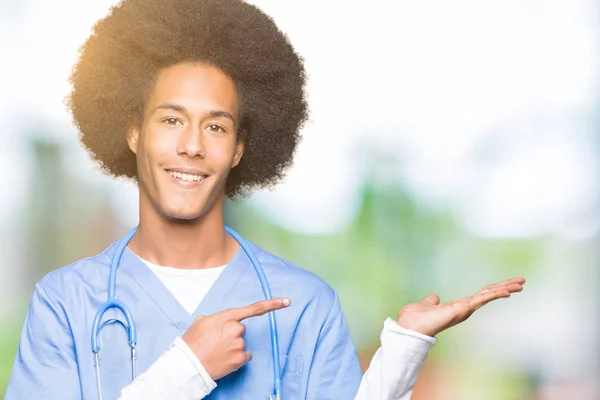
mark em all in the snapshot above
pixel 258 376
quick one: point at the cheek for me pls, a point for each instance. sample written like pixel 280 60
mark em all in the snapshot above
pixel 221 151
pixel 155 145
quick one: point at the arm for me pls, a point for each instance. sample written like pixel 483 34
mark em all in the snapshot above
pixel 395 367
pixel 177 374
pixel 404 345
pixel 45 366
pixel 214 342
pixel 335 371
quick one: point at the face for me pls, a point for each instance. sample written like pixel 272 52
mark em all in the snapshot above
pixel 187 143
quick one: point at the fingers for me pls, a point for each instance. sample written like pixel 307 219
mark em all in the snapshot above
pixel 432 299
pixel 482 299
pixel 512 288
pixel 234 329
pixel 256 309
pixel 468 305
pixel 508 282
pixel 245 358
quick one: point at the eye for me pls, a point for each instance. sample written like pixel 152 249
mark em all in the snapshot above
pixel 172 121
pixel 215 128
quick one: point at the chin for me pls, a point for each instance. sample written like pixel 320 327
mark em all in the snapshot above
pixel 184 208
pixel 183 214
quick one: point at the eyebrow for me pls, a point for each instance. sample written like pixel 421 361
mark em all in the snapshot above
pixel 182 109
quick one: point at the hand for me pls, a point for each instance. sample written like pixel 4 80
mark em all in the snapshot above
pixel 429 317
pixel 218 340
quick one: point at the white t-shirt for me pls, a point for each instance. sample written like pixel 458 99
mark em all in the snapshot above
pixel 188 286
pixel 178 374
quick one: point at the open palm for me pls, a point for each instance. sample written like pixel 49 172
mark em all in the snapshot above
pixel 429 317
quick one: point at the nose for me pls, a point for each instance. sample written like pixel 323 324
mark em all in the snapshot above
pixel 191 142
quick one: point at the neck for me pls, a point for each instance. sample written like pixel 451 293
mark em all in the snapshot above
pixel 193 244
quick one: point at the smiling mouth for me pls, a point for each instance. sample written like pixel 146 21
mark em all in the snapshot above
pixel 187 177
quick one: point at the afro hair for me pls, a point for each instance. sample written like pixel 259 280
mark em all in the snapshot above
pixel 120 61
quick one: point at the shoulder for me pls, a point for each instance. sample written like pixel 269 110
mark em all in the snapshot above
pixel 77 274
pixel 301 284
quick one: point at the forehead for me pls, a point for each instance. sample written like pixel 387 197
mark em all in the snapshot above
pixel 197 87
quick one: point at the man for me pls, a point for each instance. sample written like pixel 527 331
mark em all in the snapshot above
pixel 198 100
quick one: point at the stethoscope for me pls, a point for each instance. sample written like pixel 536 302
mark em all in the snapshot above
pixel 112 302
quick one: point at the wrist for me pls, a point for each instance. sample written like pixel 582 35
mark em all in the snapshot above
pixel 199 355
pixel 411 326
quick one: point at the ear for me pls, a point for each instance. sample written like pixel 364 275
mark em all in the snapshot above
pixel 239 151
pixel 133 134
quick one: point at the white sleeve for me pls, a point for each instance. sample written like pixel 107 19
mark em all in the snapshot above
pixel 396 364
pixel 177 374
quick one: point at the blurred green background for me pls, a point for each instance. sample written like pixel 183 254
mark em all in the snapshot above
pixel 450 146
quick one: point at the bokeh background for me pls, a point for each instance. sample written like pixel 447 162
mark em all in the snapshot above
pixel 451 145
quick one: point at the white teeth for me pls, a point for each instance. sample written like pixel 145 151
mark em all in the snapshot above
pixel 186 177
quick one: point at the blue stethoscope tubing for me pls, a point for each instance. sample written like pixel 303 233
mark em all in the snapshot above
pixel 113 302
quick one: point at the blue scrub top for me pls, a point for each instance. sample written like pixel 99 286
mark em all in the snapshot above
pixel 55 360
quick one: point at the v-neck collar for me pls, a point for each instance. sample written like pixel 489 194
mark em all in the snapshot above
pixel 132 266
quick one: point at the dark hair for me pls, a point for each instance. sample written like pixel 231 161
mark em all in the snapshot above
pixel 119 63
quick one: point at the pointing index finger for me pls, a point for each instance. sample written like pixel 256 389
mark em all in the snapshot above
pixel 258 308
